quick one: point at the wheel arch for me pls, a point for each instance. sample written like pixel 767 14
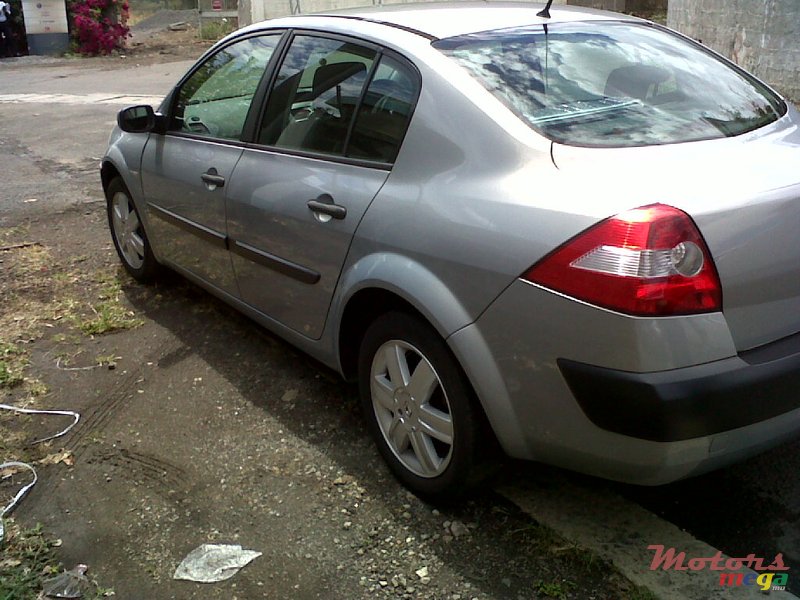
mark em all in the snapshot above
pixel 123 159
pixel 116 164
pixel 399 283
pixel 108 171
pixel 394 282
pixel 362 309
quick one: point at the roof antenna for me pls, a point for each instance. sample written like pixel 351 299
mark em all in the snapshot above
pixel 545 12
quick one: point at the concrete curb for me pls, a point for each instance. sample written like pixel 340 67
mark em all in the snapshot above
pixel 620 531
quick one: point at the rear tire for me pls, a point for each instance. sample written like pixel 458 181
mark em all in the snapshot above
pixel 421 409
pixel 127 231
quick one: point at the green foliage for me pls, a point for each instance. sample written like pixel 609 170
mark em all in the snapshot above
pixel 216 30
pixel 27 558
pixel 109 314
pixel 554 589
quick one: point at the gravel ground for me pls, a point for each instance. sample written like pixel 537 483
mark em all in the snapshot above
pixel 161 20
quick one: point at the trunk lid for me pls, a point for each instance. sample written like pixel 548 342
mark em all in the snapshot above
pixel 744 195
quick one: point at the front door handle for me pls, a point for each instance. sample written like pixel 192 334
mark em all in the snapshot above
pixel 324 207
pixel 212 179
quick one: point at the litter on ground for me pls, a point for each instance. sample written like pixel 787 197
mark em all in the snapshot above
pixel 210 563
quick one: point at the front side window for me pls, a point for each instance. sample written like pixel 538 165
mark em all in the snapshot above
pixel 315 95
pixel 614 83
pixel 215 99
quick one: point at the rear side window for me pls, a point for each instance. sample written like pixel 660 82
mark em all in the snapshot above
pixel 614 83
pixel 384 115
pixel 315 96
pixel 214 101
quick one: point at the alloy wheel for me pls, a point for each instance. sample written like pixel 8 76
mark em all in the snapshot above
pixel 411 408
pixel 128 230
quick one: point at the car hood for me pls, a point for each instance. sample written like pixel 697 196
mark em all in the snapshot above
pixel 744 195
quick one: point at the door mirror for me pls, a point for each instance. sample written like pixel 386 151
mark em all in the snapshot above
pixel 137 119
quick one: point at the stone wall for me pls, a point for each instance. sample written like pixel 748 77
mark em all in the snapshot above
pixel 762 36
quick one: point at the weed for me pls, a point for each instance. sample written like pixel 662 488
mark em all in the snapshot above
pixel 36 388
pixel 216 30
pixel 28 559
pixel 109 314
pixel 554 589
pixel 12 363
pixel 107 360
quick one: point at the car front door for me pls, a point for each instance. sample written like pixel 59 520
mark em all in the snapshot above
pixel 333 124
pixel 186 171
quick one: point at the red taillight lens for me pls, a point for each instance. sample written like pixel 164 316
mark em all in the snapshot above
pixel 650 261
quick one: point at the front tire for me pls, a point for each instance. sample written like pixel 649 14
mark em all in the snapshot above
pixel 420 408
pixel 127 231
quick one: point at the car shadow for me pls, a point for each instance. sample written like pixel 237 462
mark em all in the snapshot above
pixel 509 554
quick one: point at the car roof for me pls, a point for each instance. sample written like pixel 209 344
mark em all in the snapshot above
pixel 447 19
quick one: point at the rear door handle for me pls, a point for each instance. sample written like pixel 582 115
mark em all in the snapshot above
pixel 324 205
pixel 213 179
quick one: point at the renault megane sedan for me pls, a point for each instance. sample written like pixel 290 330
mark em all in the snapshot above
pixel 568 234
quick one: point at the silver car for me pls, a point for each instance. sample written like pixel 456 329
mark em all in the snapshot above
pixel 567 234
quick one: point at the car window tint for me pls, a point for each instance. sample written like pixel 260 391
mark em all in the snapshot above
pixel 384 115
pixel 214 101
pixel 315 95
pixel 614 84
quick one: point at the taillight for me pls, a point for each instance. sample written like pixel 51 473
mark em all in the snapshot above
pixel 650 261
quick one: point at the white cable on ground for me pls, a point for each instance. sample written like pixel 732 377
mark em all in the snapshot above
pixel 20 494
pixel 21 465
pixel 33 411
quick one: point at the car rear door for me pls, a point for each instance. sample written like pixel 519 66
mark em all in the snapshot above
pixel 185 171
pixel 333 123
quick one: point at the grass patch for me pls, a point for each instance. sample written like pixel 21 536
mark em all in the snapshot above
pixel 12 364
pixel 107 360
pixel 28 558
pixel 44 294
pixel 110 314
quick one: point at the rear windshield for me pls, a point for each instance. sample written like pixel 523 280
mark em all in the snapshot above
pixel 614 83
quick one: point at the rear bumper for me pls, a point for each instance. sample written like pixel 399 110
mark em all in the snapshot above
pixel 681 404
pixel 687 403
